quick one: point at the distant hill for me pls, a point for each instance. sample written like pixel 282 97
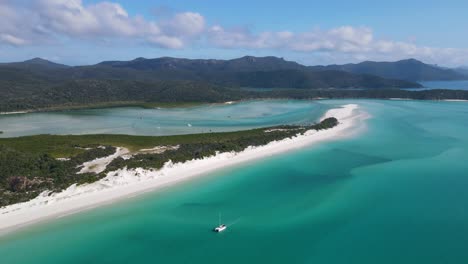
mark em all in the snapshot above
pixel 247 63
pixel 248 71
pixel 303 79
pixel 462 70
pixel 410 70
pixel 35 63
pixel 41 84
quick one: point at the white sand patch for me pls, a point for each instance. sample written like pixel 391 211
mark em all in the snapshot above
pixel 275 130
pixel 99 165
pixel 83 148
pixel 400 99
pixel 14 113
pixel 157 149
pixel 128 183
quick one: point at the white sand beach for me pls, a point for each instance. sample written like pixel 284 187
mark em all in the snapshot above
pixel 399 99
pixel 126 183
pixel 14 113
pixel 455 100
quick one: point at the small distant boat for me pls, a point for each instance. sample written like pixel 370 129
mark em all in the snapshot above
pixel 189 125
pixel 221 227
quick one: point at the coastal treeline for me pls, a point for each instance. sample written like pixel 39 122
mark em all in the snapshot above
pixel 33 164
pixel 199 150
pixel 17 96
pixel 24 174
pixel 107 93
pixel 436 94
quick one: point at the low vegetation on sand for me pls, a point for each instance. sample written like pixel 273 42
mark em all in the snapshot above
pixel 33 164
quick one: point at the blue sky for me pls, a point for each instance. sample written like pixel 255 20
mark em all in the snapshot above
pixel 312 32
pixel 440 23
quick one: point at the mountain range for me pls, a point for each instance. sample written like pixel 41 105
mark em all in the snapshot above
pixel 39 83
pixel 248 71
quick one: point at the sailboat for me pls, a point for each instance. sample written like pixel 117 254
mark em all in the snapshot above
pixel 221 227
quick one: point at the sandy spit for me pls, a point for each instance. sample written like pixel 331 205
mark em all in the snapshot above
pixel 128 183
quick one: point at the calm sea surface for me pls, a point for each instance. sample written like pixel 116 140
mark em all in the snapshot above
pixel 397 193
pixel 158 122
pixel 450 85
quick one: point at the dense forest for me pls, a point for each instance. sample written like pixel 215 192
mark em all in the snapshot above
pixel 246 71
pixel 102 93
pixel 43 85
pixel 23 175
pixel 39 84
pixel 31 165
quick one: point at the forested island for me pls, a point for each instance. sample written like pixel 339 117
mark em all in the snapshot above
pixel 101 94
pixel 41 85
pixel 33 164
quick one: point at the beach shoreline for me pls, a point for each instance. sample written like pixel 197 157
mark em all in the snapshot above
pixel 125 183
pixel 454 100
pixel 14 113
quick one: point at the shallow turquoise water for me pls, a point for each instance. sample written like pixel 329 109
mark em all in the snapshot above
pixel 450 85
pixel 397 193
pixel 138 121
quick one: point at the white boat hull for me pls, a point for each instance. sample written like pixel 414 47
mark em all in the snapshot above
pixel 220 228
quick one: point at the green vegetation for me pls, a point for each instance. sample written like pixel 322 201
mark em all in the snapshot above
pixel 99 93
pixel 24 175
pixel 41 85
pixel 111 93
pixel 30 165
pixel 229 142
pixel 167 82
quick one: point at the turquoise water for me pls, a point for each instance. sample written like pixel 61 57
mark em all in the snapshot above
pixel 453 85
pixel 397 193
pixel 158 122
pixel 450 85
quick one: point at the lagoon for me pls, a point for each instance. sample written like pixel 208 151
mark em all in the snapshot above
pixel 167 121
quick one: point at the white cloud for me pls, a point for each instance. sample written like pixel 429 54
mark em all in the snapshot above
pixel 343 39
pixel 13 28
pixel 185 24
pixel 44 21
pixel 101 21
pixel 167 42
pixel 343 44
pixel 9 39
